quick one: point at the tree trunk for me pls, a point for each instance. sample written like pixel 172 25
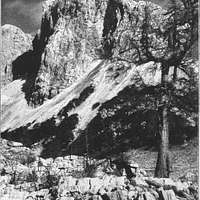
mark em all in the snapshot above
pixel 163 160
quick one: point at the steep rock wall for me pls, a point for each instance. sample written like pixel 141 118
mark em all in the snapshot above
pixel 74 33
pixel 88 51
pixel 70 33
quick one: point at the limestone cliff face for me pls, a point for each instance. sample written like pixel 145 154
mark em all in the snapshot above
pixel 75 33
pixel 72 35
pixel 71 31
pixel 14 43
pixel 84 51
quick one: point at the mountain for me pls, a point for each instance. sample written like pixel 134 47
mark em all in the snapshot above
pixel 74 86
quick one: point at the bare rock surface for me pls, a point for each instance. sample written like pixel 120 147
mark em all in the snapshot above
pixel 73 72
pixel 66 178
pixel 14 43
pixel 74 78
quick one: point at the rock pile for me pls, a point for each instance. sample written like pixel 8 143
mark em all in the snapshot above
pixel 48 182
pixel 112 187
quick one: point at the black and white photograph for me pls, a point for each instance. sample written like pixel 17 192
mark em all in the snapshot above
pixel 99 100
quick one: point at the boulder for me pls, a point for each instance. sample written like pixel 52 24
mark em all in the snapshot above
pixel 9 169
pixel 14 144
pixel 124 194
pixel 102 191
pixel 132 194
pixel 41 194
pixel 160 182
pixel 66 198
pixel 189 176
pixel 14 194
pixel 27 186
pixel 5 179
pixel 180 186
pixel 134 165
pixel 119 195
pixel 67 184
pixel 117 182
pixel 14 42
pixel 154 192
pixel 115 195
pixel 139 181
pixel 149 196
pixel 83 185
pixel 167 195
pixel 96 185
pixel 120 181
pixel 2 165
pixel 106 180
pixel 22 168
pixel 142 172
pixel 58 159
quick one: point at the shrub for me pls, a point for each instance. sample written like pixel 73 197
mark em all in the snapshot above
pixel 32 177
pixel 27 159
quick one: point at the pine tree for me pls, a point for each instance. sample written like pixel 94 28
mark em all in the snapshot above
pixel 165 39
pixel 179 34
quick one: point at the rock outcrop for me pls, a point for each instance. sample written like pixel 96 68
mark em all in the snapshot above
pixel 78 94
pixel 45 183
pixel 14 43
pixel 71 36
pixel 81 75
pixel 70 32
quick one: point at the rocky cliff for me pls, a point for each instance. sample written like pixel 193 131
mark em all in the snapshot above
pixel 72 35
pixel 81 78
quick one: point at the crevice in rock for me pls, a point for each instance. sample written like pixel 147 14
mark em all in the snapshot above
pixel 111 21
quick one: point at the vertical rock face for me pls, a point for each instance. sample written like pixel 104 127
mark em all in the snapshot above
pixel 14 43
pixel 71 31
pixel 85 46
pixel 73 34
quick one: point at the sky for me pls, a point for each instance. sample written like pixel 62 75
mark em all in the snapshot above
pixel 26 14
